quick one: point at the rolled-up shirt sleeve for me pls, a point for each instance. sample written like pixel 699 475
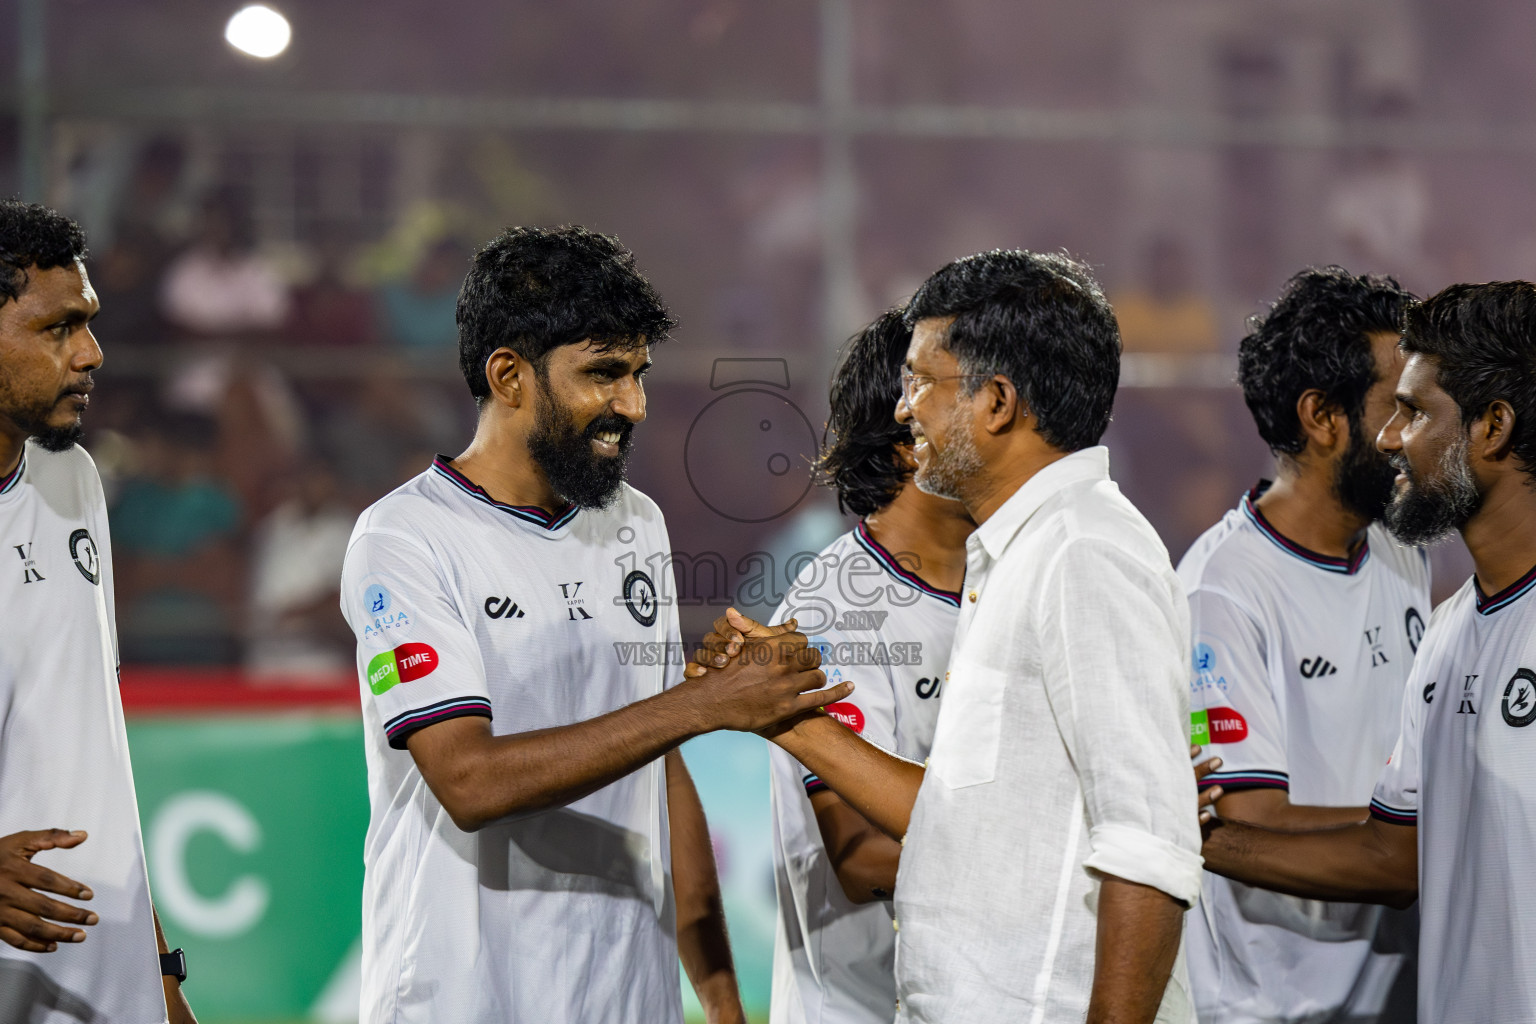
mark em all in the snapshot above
pixel 1115 655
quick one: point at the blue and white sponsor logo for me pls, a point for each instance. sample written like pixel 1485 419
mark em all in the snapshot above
pixel 382 617
pixel 376 600
pixel 1203 661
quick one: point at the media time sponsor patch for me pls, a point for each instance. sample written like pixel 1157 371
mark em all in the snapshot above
pixel 1217 725
pixel 848 714
pixel 401 665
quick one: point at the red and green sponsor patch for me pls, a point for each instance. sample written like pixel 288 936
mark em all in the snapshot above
pixel 401 665
pixel 1217 725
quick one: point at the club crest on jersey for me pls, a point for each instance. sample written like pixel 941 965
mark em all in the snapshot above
pixel 640 597
pixel 1519 705
pixel 83 550
pixel 1413 624
pixel 401 665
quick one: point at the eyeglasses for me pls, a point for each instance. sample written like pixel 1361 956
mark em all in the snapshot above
pixel 910 385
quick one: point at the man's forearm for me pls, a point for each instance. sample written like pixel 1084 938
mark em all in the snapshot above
pixel 879 785
pixel 1369 862
pixel 480 777
pixel 702 942
pixel 1138 940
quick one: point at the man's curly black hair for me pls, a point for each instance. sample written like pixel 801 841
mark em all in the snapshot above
pixel 34 236
pixel 1483 340
pixel 1316 336
pixel 535 289
pixel 858 451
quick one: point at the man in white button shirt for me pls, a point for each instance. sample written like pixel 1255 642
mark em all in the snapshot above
pixel 1453 819
pixel 1051 847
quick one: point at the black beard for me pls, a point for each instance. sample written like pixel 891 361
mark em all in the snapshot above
pixel 564 453
pixel 1363 478
pixel 1425 511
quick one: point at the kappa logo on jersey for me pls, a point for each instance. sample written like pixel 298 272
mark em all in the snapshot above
pixel 848 714
pixel 29 573
pixel 1217 725
pixel 1373 637
pixel 502 608
pixel 1413 625
pixel 401 665
pixel 83 550
pixel 1519 706
pixel 1466 707
pixel 862 620
pixel 573 604
pixel 640 597
pixel 1311 668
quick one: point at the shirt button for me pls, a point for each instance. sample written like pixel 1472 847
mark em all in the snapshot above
pixel 895 925
pixel 972 596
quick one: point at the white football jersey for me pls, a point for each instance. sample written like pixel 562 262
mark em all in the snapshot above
pixel 64 749
pixel 466 606
pixel 1299 665
pixel 888 630
pixel 1465 771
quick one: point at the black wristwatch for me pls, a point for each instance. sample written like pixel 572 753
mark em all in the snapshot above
pixel 174 964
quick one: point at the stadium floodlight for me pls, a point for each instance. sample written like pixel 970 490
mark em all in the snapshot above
pixel 259 31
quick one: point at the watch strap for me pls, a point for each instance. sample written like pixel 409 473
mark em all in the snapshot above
pixel 174 964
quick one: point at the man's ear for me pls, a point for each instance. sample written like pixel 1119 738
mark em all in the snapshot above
pixel 509 376
pixel 1001 404
pixel 904 457
pixel 1323 423
pixel 1495 429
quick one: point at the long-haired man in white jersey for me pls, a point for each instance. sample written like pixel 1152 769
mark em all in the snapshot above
pixel 1305 614
pixel 63 746
pixel 1453 818
pixel 880 602
pixel 536 850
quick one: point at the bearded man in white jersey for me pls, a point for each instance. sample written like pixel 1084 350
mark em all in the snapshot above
pixel 1305 614
pixel 880 603
pixel 1048 845
pixel 64 756
pixel 1453 819
pixel 536 849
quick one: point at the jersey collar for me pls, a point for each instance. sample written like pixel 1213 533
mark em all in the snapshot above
pixel 13 478
pixel 1506 597
pixel 528 513
pixel 888 562
pixel 1347 566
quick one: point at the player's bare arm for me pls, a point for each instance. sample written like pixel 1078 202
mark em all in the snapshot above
pixel 480 777
pixel 702 943
pixel 878 785
pixel 1272 809
pixel 1136 944
pixel 863 857
pixel 1368 862
pixel 27 916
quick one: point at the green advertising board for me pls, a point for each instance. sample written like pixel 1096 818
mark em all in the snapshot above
pixel 254 825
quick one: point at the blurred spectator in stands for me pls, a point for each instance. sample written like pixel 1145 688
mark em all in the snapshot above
pixel 417 313
pixel 174 536
pixel 330 309
pixel 295 626
pixel 125 276
pixel 154 205
pixel 1166 312
pixel 221 286
pixel 389 431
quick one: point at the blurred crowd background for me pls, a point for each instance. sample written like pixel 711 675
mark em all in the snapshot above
pixel 278 244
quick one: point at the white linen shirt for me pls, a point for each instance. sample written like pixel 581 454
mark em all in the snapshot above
pixel 1061 752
